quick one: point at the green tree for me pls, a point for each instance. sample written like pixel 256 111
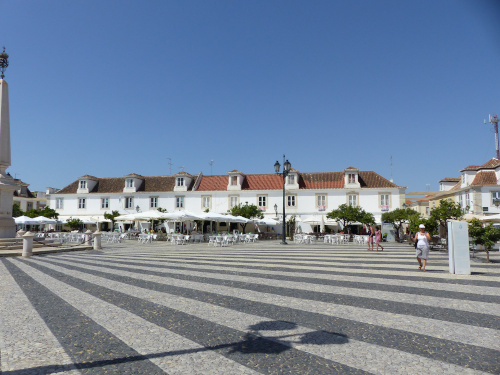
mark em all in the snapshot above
pixel 249 211
pixel 16 210
pixel 347 214
pixel 32 213
pixel 431 226
pixel 367 218
pixel 486 236
pixel 446 210
pixel 112 216
pixel 74 224
pixel 399 216
pixel 49 213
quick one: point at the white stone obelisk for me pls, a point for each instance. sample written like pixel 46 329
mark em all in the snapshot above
pixel 7 184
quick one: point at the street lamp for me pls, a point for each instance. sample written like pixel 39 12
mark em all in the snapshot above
pixel 496 202
pixel 286 169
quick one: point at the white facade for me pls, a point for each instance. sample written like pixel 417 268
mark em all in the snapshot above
pixel 306 194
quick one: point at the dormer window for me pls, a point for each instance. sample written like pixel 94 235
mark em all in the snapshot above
pixel 234 180
pixel 351 178
pixel 291 179
pixel 83 184
pixel 180 181
pixel 129 182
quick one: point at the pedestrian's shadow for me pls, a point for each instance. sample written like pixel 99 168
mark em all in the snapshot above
pixel 262 338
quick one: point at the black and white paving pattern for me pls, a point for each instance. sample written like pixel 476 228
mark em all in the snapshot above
pixel 260 308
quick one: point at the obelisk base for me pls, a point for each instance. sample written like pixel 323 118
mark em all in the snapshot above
pixel 7 223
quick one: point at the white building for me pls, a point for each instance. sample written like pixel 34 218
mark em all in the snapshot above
pixel 476 189
pixel 26 199
pixel 307 194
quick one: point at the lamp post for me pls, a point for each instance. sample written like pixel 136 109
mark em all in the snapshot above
pixel 496 202
pixel 286 169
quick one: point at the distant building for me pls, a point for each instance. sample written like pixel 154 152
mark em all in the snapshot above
pixel 307 194
pixel 26 199
pixel 477 189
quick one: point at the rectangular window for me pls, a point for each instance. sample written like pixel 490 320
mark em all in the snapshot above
pixel 153 202
pixel 291 179
pixel 427 210
pixel 321 202
pixel 206 202
pixel 130 183
pixel 81 202
pixel 233 201
pixel 83 184
pixel 180 181
pixel 105 203
pixel 179 202
pixel 129 202
pixel 29 206
pixel 352 178
pixel 291 201
pixel 262 199
pixel 460 200
pixel 59 203
pixel 467 199
pixel 353 200
pixel 234 180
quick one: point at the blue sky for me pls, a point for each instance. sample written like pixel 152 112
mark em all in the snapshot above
pixel 112 87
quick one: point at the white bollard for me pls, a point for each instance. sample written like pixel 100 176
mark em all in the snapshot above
pixel 97 240
pixel 20 233
pixel 28 244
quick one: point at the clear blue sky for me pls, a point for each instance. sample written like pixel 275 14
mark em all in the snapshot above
pixel 112 87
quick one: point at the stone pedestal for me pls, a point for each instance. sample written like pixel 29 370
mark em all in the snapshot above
pixel 97 240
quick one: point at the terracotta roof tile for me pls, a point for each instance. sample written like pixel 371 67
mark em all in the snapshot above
pixel 325 180
pixel 456 186
pixel 116 185
pixel 235 171
pixel 485 178
pixel 450 179
pixel 471 168
pixel 213 183
pixel 319 180
pixel 492 163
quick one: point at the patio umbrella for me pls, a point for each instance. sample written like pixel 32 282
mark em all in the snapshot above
pixel 270 222
pixel 492 218
pixel 181 216
pixel 45 220
pixel 25 220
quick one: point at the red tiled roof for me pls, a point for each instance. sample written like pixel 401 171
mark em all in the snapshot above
pixel 319 180
pixel 450 179
pixel 116 185
pixel 213 183
pixel 471 168
pixel 456 186
pixel 492 163
pixel 325 180
pixel 485 178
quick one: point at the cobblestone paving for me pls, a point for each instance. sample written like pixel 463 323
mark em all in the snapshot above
pixel 259 308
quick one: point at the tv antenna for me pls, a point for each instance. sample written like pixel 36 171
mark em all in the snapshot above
pixel 211 162
pixel 493 119
pixel 391 170
pixel 170 165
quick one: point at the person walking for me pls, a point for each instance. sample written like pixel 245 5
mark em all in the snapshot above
pixel 422 239
pixel 371 233
pixel 378 238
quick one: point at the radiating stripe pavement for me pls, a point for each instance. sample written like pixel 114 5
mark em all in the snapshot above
pixel 247 309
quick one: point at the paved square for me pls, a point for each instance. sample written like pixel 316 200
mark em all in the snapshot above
pixel 259 308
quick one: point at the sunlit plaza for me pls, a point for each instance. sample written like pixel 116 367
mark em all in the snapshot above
pixel 247 308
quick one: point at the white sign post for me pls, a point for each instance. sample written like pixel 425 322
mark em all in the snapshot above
pixel 458 247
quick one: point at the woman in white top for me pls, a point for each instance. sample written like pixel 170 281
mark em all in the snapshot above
pixel 422 239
